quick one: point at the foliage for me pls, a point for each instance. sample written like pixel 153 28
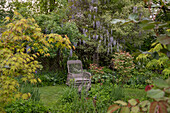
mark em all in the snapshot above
pixel 4 12
pixel 160 95
pixel 123 63
pixel 52 78
pixel 71 101
pixel 26 106
pixel 100 74
pixel 105 94
pixel 15 58
pixel 160 24
pixel 32 89
pixel 154 59
pixel 94 20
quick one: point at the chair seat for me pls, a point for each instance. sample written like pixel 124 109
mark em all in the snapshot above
pixel 77 76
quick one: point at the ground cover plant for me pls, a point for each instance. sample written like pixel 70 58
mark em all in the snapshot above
pixel 125 45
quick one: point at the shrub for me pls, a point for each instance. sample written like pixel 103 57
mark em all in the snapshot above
pixel 73 102
pixel 160 100
pixel 29 88
pixel 52 78
pixel 123 63
pixel 26 106
pixel 100 74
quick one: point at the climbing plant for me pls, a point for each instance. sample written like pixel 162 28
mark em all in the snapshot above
pixel 101 38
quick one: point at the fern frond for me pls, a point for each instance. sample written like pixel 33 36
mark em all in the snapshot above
pixel 166 72
pixel 153 44
pixel 157 48
pixel 152 64
pixel 142 57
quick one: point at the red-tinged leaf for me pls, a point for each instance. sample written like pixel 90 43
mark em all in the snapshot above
pixel 129 105
pixel 162 107
pixel 153 107
pixel 125 110
pixel 113 108
pixel 137 100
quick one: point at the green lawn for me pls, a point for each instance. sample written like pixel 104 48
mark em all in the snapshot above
pixel 50 94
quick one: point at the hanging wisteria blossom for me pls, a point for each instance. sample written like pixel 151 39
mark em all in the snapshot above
pixel 84 41
pixel 117 47
pixel 72 17
pixel 111 49
pixel 101 37
pixel 95 8
pixel 45 30
pixel 93 24
pixel 75 44
pixel 62 25
pixel 71 52
pixel 97 24
pixel 93 36
pixel 94 17
pixel 111 39
pixel 114 42
pixel 97 37
pixel 89 37
pixel 135 9
pixel 52 31
pixel 105 40
pixel 89 16
pixel 107 33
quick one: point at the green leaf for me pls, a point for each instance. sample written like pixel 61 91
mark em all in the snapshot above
pixel 155 6
pixel 115 21
pixel 161 83
pixel 144 103
pixel 125 110
pixel 133 102
pixel 135 109
pixel 149 26
pixel 168 47
pixel 168 81
pixel 121 102
pixel 164 39
pixel 113 108
pixel 133 16
pixel 167 90
pixel 155 93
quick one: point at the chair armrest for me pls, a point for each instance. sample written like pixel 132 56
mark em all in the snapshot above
pixel 87 74
pixel 70 74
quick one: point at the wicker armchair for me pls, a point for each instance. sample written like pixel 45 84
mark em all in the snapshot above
pixel 77 76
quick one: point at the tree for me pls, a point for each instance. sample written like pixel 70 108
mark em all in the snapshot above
pixel 16 61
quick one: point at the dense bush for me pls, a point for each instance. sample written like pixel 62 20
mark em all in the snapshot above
pixel 52 78
pixel 100 74
pixel 26 106
pixel 73 102
pixel 123 63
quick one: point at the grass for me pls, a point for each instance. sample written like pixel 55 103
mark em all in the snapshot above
pixel 135 93
pixel 50 94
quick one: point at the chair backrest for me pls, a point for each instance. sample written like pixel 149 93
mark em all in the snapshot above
pixel 74 66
